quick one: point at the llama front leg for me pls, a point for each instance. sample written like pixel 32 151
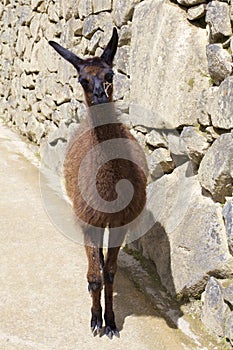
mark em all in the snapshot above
pixel 110 268
pixel 94 279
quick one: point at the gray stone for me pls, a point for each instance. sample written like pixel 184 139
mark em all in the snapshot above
pixel 139 136
pixel 214 311
pixel 101 5
pixel 90 25
pixel 196 12
pixel 28 51
pixel 195 143
pixel 216 166
pixel 63 95
pixel 85 8
pixel 156 139
pixel 141 129
pixel 35 130
pixel 189 228
pixel 125 35
pixel 22 40
pixel 106 24
pixel 122 60
pixel 93 44
pixel 53 12
pixel 160 163
pixel 221 107
pixel 219 62
pixel 168 73
pixel 227 213
pixel 35 26
pixel 121 86
pixel 229 328
pixel 67 9
pixel 190 2
pixel 53 30
pixel 228 294
pixel 211 134
pixel 27 81
pixel 204 104
pixel 78 27
pixel 24 14
pixel 43 57
pixel 36 3
pixel 218 19
pixel 123 11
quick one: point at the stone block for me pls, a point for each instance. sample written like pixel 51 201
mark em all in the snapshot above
pixel 168 68
pixel 196 12
pixel 188 227
pixel 85 8
pixel 195 143
pixel 219 62
pixel 215 171
pixel 218 19
pixel 122 60
pixel 214 311
pixel 221 106
pixel 101 5
pixel 123 11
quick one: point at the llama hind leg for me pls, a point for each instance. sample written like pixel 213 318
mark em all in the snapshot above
pixel 94 279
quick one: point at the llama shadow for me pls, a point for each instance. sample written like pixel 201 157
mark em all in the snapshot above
pixel 132 283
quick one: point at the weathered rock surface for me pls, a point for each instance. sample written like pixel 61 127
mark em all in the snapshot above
pixel 195 143
pixel 189 228
pixel 160 163
pixel 85 8
pixel 196 12
pixel 156 139
pixel 219 62
pixel 101 5
pixel 203 105
pixel 215 311
pixel 215 169
pixel 190 2
pixel 122 59
pixel 123 10
pixel 227 213
pixel 229 328
pixel 172 83
pixel 218 19
pixel 221 107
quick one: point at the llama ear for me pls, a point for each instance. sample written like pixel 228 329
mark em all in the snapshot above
pixel 67 55
pixel 110 49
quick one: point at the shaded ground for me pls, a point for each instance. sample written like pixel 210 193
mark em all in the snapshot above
pixel 44 303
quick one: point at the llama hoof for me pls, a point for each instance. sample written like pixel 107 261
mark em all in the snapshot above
pixel 96 321
pixel 111 332
pixel 96 326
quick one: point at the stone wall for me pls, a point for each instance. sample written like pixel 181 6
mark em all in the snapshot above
pixel 38 90
pixel 173 85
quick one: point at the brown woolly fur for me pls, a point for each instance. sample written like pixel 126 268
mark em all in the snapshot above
pixel 107 177
pixel 117 159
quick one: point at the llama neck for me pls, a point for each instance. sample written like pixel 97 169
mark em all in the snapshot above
pixel 103 120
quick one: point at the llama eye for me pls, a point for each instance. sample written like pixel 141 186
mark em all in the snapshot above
pixel 84 83
pixel 109 77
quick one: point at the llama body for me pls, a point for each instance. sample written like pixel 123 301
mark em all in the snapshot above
pixel 116 157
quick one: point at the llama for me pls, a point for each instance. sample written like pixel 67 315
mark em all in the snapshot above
pixel 104 128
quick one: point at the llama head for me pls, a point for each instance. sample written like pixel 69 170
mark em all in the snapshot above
pixel 95 74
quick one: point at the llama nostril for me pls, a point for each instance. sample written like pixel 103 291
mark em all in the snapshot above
pixel 99 94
